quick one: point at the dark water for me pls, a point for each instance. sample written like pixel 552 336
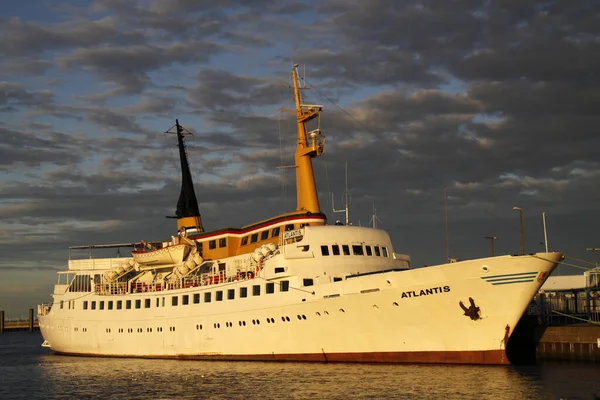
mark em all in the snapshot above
pixel 28 371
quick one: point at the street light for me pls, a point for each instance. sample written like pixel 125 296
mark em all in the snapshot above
pixel 492 238
pixel 520 210
pixel 593 250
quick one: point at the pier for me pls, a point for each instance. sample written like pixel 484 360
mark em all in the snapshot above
pixel 18 325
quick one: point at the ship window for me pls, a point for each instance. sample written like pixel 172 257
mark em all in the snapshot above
pixel 196 298
pixel 185 299
pixel 324 250
pixel 230 294
pixel 307 282
pixel 275 232
pixel 244 240
pixel 138 303
pixel 279 269
pixel 289 227
pixel 254 238
pixel 346 249
pixel 284 286
pixel 243 292
pixel 119 304
pixel 219 295
pixel 357 250
pixel 101 305
pixel 207 297
pixel 163 301
pixel 85 305
pixel 199 246
pixel 335 249
pixel 110 305
pixel 256 290
pixel 223 242
pixel 303 225
pixel 270 288
pixel 128 304
pixel 62 303
pixel 264 235
pixel 174 300
pixel 377 253
pixel 337 279
pixel 369 251
pixel 212 244
pixel 158 302
pixel 384 251
pixel 146 303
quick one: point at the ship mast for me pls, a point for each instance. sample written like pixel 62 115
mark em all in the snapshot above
pixel 310 145
pixel 187 213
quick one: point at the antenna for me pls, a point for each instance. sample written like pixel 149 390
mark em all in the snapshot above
pixel 446 215
pixel 545 233
pixel 347 199
pixel 374 218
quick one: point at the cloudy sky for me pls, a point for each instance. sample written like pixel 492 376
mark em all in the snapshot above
pixel 496 100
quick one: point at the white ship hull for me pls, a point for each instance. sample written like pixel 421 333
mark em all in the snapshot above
pixel 398 316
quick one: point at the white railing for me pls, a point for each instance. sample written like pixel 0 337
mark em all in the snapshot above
pixel 44 309
pixel 97 263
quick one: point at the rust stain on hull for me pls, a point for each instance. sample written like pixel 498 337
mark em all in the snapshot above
pixel 492 357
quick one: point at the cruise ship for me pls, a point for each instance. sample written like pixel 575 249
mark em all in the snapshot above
pixel 288 288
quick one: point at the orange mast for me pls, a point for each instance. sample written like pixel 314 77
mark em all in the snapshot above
pixel 310 145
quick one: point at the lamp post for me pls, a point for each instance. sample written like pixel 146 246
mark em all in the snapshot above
pixel 593 250
pixel 492 238
pixel 520 210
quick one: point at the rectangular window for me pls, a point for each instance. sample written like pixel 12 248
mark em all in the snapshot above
pixel 196 298
pixel 163 301
pixel 279 270
pixel 207 297
pixel 62 304
pixel 324 250
pixel 369 251
pixel 243 292
pixel 307 282
pixel 377 253
pixel 85 305
pixel 346 249
pixel 174 300
pixel 110 305
pixel 256 290
pixel 335 249
pixel 270 288
pixel 128 304
pixel 147 303
pixel 230 294
pixel 244 240
pixel 284 286
pixel 384 250
pixel 264 235
pixel 138 303
pixel 223 242
pixel 119 304
pixel 158 302
pixel 357 249
pixel 219 295
pixel 289 227
pixel 185 299
pixel 102 305
pixel 275 232
pixel 212 244
pixel 93 305
pixel 254 238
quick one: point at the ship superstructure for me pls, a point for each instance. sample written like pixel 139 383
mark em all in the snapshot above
pixel 289 287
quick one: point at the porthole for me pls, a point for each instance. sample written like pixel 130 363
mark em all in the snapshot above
pixel 299 317
pixel 388 282
pixel 287 319
pixel 318 314
pixel 272 320
pixel 326 312
pixel 303 316
pixel 342 310
pixel 485 268
pixel 283 319
pixel 396 304
pixel 375 306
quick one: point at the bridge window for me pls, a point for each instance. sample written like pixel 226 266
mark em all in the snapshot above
pixel 289 227
pixel 275 232
pixel 146 303
pixel 324 250
pixel 185 299
pixel 256 290
pixel 369 251
pixel 230 294
pixel 212 244
pixel 284 286
pixel 346 249
pixel 138 303
pixel 244 240
pixel 384 250
pixel 357 250
pixel 196 298
pixel 207 297
pixel 174 300
pixel 279 269
pixel 128 304
pixel 377 253
pixel 243 292
pixel 270 288
pixel 85 305
pixel 223 242
pixel 307 282
pixel 219 295
pixel 119 304
pixel 110 305
pixel 102 305
pixel 254 238
pixel 335 249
